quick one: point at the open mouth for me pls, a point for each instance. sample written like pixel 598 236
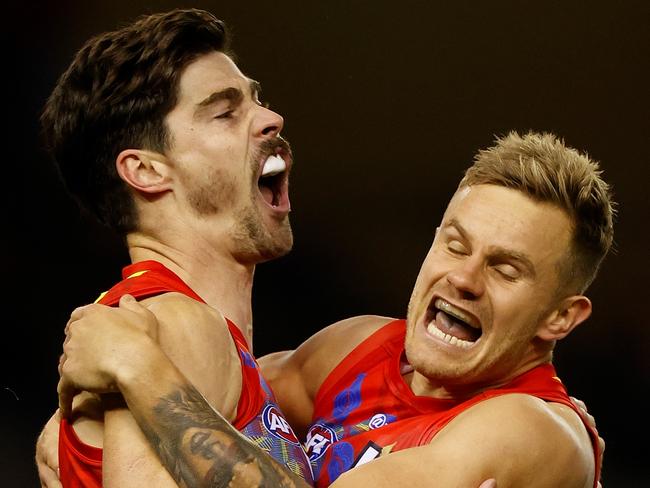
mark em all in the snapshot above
pixel 273 182
pixel 452 324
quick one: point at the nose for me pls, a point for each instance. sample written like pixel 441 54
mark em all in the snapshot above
pixel 268 124
pixel 467 278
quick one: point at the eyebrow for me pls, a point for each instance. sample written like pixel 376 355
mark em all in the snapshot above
pixel 231 94
pixel 498 251
pixel 234 95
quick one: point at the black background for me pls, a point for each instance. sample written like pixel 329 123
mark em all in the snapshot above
pixel 385 103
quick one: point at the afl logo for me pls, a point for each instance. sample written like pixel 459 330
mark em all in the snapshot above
pixel 319 438
pixel 276 424
pixel 377 421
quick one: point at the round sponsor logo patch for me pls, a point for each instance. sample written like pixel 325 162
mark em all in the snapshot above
pixel 377 421
pixel 277 425
pixel 319 438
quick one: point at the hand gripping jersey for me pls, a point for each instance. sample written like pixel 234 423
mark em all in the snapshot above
pixel 258 416
pixel 364 408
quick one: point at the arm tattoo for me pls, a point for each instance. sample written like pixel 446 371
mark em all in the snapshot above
pixel 200 449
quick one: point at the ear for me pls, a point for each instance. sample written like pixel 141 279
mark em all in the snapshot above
pixel 571 312
pixel 145 171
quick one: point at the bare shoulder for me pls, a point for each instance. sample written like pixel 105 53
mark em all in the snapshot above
pixel 321 353
pixel 183 310
pixel 325 349
pixel 517 439
pixel 196 338
pixel 542 441
pixel 182 318
pixel 342 337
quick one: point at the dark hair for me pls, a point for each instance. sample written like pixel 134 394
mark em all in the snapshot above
pixel 115 95
pixel 544 168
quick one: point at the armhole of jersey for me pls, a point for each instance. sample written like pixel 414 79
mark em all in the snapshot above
pixel 69 440
pixel 387 337
pixel 251 396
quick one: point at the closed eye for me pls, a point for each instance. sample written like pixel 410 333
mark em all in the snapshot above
pixel 508 271
pixel 456 247
pixel 225 115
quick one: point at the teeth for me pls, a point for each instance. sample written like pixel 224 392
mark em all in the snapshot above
pixel 451 310
pixel 273 166
pixel 454 341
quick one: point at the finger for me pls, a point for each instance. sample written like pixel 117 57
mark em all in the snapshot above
pixel 579 403
pixel 590 419
pixel 79 312
pixel 491 483
pixel 48 477
pixel 583 410
pixel 601 444
pixel 128 302
pixel 62 359
pixel 146 321
pixel 67 326
pixel 47 461
pixel 66 393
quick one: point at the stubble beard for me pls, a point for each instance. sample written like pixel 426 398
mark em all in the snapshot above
pixel 254 242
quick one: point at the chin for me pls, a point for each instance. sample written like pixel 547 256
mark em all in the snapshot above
pixel 267 246
pixel 257 241
pixel 276 250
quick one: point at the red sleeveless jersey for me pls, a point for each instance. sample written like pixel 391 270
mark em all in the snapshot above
pixel 365 409
pixel 258 416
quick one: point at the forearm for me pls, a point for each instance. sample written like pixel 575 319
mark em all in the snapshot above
pixel 194 442
pixel 128 459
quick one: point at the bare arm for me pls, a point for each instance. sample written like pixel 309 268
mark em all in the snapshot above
pixel 47 460
pixel 196 444
pixel 199 447
pixel 517 439
pixel 196 340
pixel 203 450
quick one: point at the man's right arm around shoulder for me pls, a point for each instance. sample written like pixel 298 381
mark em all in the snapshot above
pixel 194 442
pixel 517 439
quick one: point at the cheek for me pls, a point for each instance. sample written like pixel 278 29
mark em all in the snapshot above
pixel 516 313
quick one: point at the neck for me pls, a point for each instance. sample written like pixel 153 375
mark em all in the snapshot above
pixel 442 388
pixel 213 274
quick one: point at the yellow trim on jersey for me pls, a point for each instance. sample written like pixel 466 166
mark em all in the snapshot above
pixel 101 295
pixel 137 273
pixel 134 275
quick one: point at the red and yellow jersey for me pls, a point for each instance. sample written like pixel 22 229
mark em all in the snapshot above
pixel 258 416
pixel 365 409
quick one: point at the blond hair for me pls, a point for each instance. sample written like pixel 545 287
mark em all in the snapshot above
pixel 542 167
